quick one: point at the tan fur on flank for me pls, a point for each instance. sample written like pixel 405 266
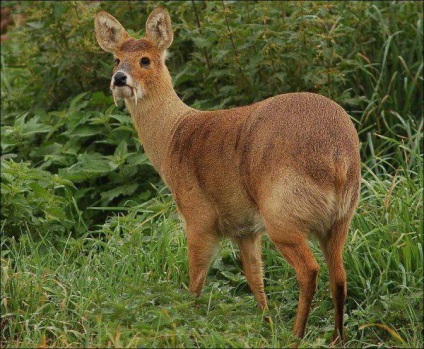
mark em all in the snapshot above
pixel 288 165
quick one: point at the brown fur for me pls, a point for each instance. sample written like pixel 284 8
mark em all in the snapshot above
pixel 288 165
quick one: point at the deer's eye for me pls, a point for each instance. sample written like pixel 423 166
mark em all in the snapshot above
pixel 117 61
pixel 144 62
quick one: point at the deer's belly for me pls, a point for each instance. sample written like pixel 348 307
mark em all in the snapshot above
pixel 237 224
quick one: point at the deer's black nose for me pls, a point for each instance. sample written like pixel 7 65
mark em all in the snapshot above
pixel 120 79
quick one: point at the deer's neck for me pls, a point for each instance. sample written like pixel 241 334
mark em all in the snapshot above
pixel 156 117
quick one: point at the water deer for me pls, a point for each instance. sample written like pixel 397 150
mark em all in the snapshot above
pixel 288 166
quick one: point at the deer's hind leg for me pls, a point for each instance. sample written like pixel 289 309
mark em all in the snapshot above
pixel 293 245
pixel 332 246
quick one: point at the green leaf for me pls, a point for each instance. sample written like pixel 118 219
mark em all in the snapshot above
pixel 85 131
pixel 126 189
pixel 137 159
pixel 121 150
pixel 33 127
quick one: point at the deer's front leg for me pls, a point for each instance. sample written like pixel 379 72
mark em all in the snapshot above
pixel 202 246
pixel 250 252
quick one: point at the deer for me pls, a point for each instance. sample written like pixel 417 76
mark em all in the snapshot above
pixel 287 166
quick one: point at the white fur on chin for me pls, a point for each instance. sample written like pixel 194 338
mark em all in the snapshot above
pixel 126 92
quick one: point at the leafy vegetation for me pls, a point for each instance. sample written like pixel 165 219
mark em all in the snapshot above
pixel 96 150
pixel 34 200
pixel 93 253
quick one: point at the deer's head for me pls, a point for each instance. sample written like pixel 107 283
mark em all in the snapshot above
pixel 139 64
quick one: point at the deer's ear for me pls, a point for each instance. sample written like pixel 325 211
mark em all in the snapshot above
pixel 110 34
pixel 159 28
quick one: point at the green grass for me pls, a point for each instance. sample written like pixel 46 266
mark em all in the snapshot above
pixel 125 284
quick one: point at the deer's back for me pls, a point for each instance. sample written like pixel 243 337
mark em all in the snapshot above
pixel 246 158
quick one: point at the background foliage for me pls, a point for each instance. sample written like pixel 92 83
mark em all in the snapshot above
pixel 71 161
pixel 56 107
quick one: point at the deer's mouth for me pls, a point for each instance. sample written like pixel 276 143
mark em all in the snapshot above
pixel 121 92
pixel 125 92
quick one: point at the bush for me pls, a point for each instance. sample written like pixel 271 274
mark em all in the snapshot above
pixel 366 56
pixel 36 202
pixel 50 57
pixel 57 112
pixel 98 151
